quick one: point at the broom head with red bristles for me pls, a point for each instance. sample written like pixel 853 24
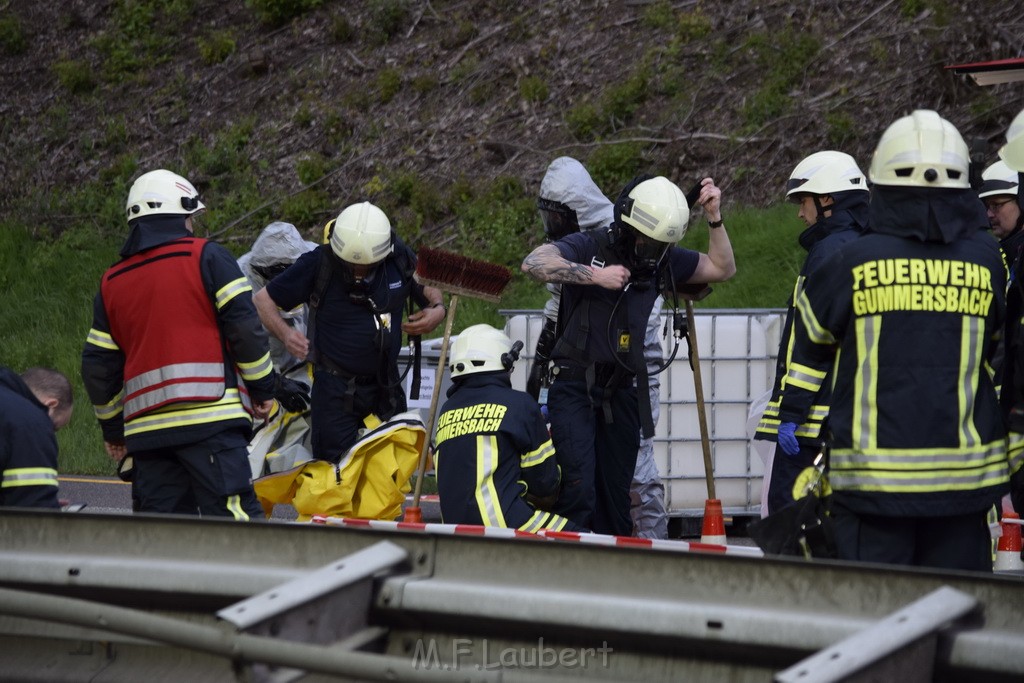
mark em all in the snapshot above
pixel 457 274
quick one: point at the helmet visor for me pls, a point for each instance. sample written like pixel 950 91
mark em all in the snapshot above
pixel 559 220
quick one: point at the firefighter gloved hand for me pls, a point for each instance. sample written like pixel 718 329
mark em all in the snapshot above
pixel 293 396
pixel 787 438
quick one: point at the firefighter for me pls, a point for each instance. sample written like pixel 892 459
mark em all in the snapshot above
pixel 913 310
pixel 570 201
pixel 1012 395
pixel 176 363
pixel 610 280
pixel 832 195
pixel 494 462
pixel 999 193
pixel 357 287
pixel 32 408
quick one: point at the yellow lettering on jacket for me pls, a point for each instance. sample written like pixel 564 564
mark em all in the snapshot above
pixel 903 284
pixel 482 418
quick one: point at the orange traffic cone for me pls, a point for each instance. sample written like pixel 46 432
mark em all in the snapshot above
pixel 713 530
pixel 1009 546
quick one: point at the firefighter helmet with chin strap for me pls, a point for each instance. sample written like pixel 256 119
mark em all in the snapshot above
pixel 921 150
pixel 362 235
pixel 1013 151
pixel 999 179
pixel 655 215
pixel 481 348
pixel 825 173
pixel 162 192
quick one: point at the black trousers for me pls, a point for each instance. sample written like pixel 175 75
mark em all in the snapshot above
pixel 953 542
pixel 211 477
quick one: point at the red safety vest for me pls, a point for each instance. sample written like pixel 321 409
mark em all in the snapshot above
pixel 162 318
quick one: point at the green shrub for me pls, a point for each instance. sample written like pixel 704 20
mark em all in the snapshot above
pixel 533 89
pixel 842 128
pixel 424 83
pixel 342 30
pixel 622 99
pixel 216 47
pixel 13 40
pixel 781 56
pixel 693 26
pixel 613 165
pixel 311 168
pixel 76 76
pixel 389 84
pixel 387 18
pixel 279 12
pixel 584 121
pixel 658 15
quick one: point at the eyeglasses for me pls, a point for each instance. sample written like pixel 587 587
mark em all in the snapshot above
pixel 994 206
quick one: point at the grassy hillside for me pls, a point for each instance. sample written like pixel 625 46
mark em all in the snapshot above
pixel 445 113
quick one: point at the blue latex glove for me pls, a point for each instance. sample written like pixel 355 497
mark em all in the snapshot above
pixel 787 438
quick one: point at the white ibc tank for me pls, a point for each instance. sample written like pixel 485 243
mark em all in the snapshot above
pixel 737 349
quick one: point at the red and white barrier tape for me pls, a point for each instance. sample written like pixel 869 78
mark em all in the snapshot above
pixel 564 536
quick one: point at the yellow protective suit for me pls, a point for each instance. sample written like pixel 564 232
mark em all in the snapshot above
pixel 370 481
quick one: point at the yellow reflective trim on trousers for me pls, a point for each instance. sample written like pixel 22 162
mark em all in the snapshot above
pixel 257 369
pixel 865 385
pixel 971 343
pixel 234 506
pixel 816 332
pixel 538 456
pixel 111 409
pixel 102 340
pixel 232 289
pixel 229 407
pixel 29 476
pixel 487 500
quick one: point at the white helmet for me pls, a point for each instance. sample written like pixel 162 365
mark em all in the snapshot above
pixel 1013 151
pixel 921 150
pixel 998 179
pixel 826 173
pixel 657 208
pixel 362 235
pixel 480 348
pixel 162 192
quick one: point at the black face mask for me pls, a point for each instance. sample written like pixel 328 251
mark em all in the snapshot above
pixel 559 220
pixel 644 258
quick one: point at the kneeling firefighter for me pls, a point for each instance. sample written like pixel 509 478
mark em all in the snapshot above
pixel 495 462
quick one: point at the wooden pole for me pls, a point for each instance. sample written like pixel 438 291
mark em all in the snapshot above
pixel 698 387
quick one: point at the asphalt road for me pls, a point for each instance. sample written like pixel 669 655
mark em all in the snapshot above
pixel 113 496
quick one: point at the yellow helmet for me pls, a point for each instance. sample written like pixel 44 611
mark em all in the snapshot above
pixel 921 150
pixel 1013 151
pixel 361 234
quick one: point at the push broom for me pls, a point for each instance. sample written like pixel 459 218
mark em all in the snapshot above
pixel 459 276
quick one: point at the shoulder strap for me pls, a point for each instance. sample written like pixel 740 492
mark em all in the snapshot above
pixel 325 269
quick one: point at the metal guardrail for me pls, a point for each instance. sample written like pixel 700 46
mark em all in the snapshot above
pixel 77 592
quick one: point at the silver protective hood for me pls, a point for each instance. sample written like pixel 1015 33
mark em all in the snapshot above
pixel 567 181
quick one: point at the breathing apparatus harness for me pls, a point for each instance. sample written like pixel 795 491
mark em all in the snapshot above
pixel 360 293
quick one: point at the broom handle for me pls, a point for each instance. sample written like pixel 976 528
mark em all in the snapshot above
pixel 453 302
pixel 698 387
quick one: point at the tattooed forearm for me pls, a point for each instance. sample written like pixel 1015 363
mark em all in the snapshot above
pixel 545 263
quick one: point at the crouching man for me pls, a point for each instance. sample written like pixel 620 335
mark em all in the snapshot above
pixel 495 462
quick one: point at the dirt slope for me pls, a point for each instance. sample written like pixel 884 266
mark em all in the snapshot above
pixel 349 96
